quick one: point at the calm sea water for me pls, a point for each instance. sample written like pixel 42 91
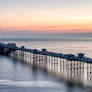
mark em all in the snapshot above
pixel 18 77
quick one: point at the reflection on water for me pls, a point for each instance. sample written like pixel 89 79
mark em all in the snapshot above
pixel 75 72
pixel 16 76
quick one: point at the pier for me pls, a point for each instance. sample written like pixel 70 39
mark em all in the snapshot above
pixel 68 67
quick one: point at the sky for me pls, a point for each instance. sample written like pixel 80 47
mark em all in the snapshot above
pixel 50 16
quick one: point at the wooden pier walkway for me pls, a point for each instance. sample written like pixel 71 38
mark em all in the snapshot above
pixel 68 67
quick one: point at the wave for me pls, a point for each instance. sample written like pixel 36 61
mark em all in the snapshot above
pixel 30 83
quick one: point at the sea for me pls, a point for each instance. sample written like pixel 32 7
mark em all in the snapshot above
pixel 16 76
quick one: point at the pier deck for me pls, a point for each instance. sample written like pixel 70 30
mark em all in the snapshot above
pixel 69 67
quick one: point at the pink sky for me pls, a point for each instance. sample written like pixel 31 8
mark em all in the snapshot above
pixel 46 16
